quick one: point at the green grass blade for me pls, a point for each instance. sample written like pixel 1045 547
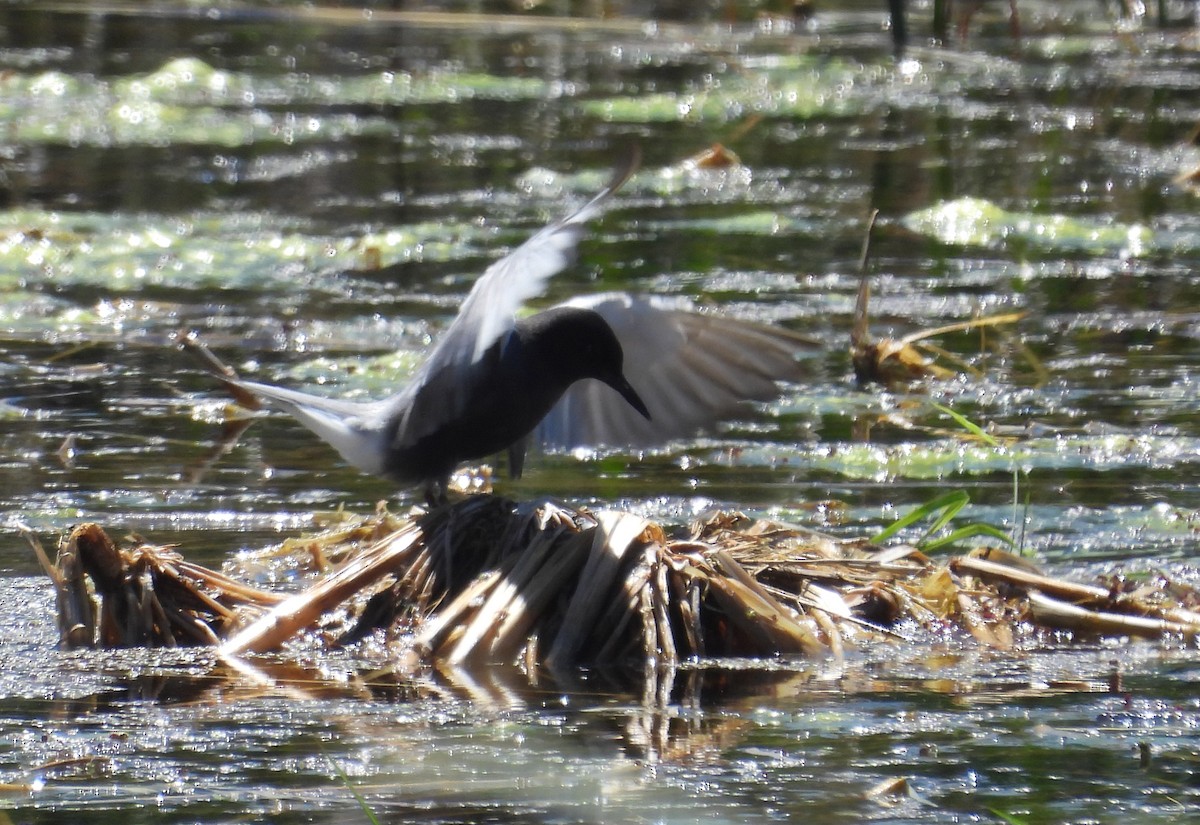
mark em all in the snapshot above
pixel 968 425
pixel 955 502
pixel 362 803
pixel 950 502
pixel 967 531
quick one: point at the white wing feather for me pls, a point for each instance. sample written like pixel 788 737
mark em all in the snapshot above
pixel 691 369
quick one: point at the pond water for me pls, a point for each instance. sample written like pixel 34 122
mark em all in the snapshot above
pixel 314 189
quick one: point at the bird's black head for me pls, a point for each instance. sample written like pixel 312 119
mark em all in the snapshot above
pixel 575 343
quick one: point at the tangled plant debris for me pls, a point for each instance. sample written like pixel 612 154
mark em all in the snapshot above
pixel 487 580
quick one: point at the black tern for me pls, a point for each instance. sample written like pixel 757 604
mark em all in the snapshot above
pixel 611 369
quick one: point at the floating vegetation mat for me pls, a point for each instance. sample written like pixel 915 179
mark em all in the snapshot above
pixel 489 580
pixel 188 101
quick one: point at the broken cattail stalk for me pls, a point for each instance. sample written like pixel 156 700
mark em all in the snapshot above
pixel 291 616
pixel 615 534
pixel 1057 613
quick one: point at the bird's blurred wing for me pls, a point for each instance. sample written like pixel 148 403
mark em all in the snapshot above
pixel 691 369
pixel 439 388
pixel 491 306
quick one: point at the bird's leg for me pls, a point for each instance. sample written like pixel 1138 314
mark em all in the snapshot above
pixel 516 457
pixel 435 491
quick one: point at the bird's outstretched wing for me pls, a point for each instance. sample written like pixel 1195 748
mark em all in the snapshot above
pixel 439 389
pixel 691 369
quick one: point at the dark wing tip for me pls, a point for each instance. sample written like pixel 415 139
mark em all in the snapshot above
pixel 624 169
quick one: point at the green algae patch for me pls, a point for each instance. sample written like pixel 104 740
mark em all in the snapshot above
pixel 728 184
pixel 31 315
pixel 96 117
pixel 187 101
pixel 443 87
pixel 359 376
pixel 253 252
pixel 189 81
pixel 718 185
pixel 979 222
pixel 795 86
pixel 762 222
pixel 942 459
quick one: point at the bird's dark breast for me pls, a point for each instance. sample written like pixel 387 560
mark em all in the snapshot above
pixel 437 454
pixel 505 403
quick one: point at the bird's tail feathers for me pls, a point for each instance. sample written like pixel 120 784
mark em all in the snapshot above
pixel 347 426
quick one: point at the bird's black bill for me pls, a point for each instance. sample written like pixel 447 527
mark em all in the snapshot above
pixel 630 394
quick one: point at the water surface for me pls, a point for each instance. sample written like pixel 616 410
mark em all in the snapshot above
pixel 314 190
